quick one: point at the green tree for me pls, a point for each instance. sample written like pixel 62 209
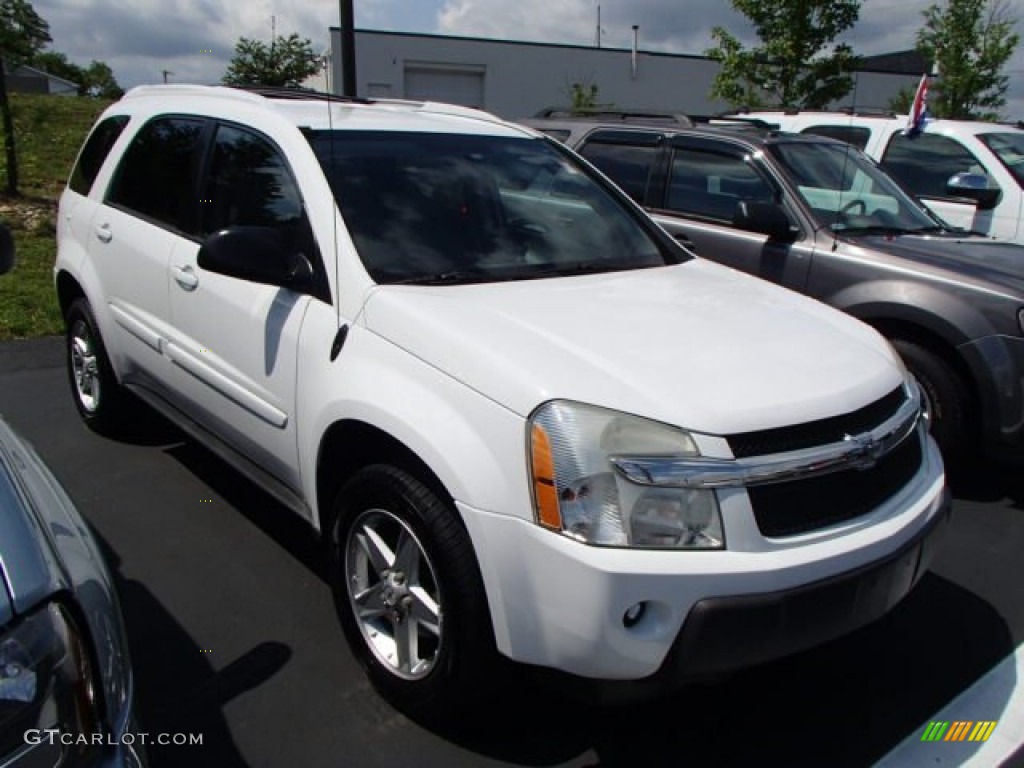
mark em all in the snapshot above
pixel 583 96
pixel 23 33
pixel 100 82
pixel 287 61
pixel 96 80
pixel 57 64
pixel 794 66
pixel 903 100
pixel 971 41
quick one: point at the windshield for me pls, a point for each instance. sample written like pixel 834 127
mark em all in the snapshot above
pixel 847 192
pixel 443 208
pixel 1009 148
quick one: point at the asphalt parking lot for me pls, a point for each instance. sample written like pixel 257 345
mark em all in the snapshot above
pixel 233 633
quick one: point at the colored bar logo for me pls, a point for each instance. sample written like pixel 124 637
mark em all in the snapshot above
pixel 959 730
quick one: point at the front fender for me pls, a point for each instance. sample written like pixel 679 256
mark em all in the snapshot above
pixel 474 446
pixel 941 311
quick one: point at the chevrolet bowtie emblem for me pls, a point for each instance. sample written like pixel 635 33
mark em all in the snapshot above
pixel 866 450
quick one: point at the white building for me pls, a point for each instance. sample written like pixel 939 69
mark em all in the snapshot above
pixel 517 79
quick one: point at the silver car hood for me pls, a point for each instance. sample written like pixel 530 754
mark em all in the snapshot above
pixel 27 564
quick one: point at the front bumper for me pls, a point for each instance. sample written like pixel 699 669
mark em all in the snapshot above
pixel 560 604
pixel 997 365
pixel 722 634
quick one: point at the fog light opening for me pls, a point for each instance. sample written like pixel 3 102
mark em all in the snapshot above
pixel 633 615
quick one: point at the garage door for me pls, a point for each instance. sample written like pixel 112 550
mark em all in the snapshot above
pixel 454 86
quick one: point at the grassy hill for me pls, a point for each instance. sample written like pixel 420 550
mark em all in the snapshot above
pixel 49 131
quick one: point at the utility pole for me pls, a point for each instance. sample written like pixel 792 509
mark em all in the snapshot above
pixel 165 73
pixel 348 49
pixel 598 26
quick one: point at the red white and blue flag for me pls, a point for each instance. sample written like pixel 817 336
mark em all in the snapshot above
pixel 918 110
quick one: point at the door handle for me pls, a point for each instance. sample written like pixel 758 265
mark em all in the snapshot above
pixel 186 277
pixel 103 233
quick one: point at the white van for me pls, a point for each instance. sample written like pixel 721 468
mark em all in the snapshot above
pixel 970 173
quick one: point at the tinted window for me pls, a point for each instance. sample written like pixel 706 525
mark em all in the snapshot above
pixel 708 183
pixel 95 151
pixel 628 166
pixel 155 175
pixel 851 134
pixel 425 207
pixel 1009 148
pixel 924 164
pixel 249 184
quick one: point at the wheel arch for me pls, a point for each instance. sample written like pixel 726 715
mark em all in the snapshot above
pixel 348 445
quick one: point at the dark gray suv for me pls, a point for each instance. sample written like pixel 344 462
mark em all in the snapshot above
pixel 818 216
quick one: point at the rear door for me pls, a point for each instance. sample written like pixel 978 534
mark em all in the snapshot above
pixel 148 208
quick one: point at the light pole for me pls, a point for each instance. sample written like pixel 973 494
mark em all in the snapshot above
pixel 348 49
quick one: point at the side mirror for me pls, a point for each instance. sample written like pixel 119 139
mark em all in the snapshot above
pixel 6 250
pixel 764 218
pixel 974 186
pixel 256 254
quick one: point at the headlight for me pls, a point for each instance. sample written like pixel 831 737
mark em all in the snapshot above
pixel 577 490
pixel 46 682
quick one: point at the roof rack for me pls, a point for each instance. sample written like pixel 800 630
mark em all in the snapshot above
pixel 853 111
pixel 733 121
pixel 298 92
pixel 610 113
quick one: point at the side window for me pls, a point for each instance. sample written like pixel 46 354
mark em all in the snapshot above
pixel 155 175
pixel 628 165
pixel 95 151
pixel 924 164
pixel 710 184
pixel 248 184
pixel 851 134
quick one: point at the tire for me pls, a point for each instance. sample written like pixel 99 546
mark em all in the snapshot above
pixel 413 609
pixel 946 396
pixel 97 395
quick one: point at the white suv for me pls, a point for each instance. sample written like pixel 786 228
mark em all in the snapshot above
pixel 970 173
pixel 522 416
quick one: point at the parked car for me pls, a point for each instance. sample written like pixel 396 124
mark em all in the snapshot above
pixel 523 418
pixel 811 214
pixel 969 172
pixel 65 677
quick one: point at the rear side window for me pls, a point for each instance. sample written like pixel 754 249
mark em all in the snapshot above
pixel 851 134
pixel 95 151
pixel 155 178
pixel 925 163
pixel 627 165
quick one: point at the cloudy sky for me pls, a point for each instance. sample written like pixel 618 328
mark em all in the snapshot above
pixel 143 38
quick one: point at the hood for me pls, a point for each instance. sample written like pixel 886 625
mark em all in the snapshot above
pixel 25 573
pixel 697 345
pixel 990 263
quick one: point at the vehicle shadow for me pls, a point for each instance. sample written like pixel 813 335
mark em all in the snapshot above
pixel 290 532
pixel 177 690
pixel 845 704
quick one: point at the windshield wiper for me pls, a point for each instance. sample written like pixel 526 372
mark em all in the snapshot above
pixel 454 277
